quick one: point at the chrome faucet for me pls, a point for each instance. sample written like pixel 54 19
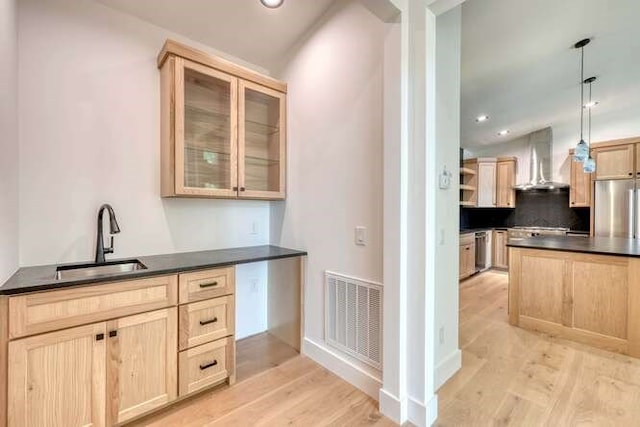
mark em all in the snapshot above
pixel 113 229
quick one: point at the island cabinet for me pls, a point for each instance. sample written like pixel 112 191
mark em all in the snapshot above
pixel 105 354
pixel 222 128
pixel 585 297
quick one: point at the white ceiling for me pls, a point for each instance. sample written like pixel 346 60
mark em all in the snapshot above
pixel 518 65
pixel 242 28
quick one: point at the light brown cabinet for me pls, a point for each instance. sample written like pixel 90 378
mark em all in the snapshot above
pixel 488 182
pixel 593 299
pixel 500 249
pixel 105 354
pixel 615 161
pixel 467 256
pixel 505 181
pixel 580 186
pixel 142 364
pixel 222 128
pixel 469 184
pixel 58 379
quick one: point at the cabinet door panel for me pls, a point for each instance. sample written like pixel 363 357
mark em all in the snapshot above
pixel 615 162
pixel 142 363
pixel 261 151
pixel 600 298
pixel 58 379
pixel 580 191
pixel 486 184
pixel 206 124
pixel 505 180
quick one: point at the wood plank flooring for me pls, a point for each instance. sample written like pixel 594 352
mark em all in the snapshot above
pixel 513 377
pixel 276 387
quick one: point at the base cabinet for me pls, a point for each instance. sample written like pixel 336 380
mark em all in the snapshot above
pixel 58 379
pixel 500 250
pixel 142 363
pixel 121 363
pixel 467 256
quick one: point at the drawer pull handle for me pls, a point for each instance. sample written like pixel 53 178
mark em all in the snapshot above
pixel 99 337
pixel 206 322
pixel 208 285
pixel 208 365
pixel 113 334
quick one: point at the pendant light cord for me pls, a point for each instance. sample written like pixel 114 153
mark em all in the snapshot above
pixel 582 95
pixel 589 143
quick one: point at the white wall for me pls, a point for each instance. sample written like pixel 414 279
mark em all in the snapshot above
pixel 622 123
pixel 89 106
pixel 447 353
pixel 335 170
pixel 9 139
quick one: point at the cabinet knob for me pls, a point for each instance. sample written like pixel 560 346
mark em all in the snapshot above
pixel 99 337
pixel 630 174
pixel 242 189
pixel 235 188
pixel 113 334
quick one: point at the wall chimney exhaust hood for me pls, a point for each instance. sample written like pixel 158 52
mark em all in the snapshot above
pixel 540 163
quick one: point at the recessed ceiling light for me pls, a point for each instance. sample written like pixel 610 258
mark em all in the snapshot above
pixel 482 118
pixel 272 4
pixel 504 132
pixel 591 104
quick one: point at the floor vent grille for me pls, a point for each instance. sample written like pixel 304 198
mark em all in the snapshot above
pixel 353 313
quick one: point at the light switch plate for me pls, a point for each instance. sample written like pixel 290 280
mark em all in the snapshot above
pixel 361 236
pixel 445 179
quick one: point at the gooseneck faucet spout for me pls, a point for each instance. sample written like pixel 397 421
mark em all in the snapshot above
pixel 113 229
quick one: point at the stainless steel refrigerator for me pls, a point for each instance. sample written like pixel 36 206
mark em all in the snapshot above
pixel 617 208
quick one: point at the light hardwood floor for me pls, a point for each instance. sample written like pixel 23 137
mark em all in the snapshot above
pixel 512 377
pixel 276 387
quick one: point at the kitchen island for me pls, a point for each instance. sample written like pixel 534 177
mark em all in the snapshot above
pixel 581 289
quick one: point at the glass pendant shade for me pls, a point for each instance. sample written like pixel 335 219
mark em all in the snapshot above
pixel 581 152
pixel 589 165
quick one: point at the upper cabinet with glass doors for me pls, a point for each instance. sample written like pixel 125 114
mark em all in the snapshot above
pixel 223 128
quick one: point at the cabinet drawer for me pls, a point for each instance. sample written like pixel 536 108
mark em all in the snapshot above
pixel 206 284
pixel 48 311
pixel 204 321
pixel 206 365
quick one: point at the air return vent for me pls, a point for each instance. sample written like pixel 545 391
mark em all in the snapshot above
pixel 353 316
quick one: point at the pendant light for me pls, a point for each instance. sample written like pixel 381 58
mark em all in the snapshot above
pixel 589 163
pixel 581 152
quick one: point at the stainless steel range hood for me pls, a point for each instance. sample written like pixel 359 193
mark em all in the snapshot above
pixel 540 163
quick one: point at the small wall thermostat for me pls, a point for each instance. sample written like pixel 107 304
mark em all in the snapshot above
pixel 445 179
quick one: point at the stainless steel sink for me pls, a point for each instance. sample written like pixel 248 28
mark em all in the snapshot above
pixel 96 270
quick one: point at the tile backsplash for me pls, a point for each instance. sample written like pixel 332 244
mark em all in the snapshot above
pixel 542 208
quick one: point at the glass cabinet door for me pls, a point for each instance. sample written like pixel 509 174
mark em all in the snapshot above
pixel 206 140
pixel 261 150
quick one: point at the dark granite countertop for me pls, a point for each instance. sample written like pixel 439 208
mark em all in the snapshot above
pixel 29 279
pixel 593 245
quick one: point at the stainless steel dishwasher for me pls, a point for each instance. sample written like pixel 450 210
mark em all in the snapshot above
pixel 482 256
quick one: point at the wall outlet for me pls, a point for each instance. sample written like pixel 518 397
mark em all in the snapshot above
pixel 441 335
pixel 254 228
pixel 361 236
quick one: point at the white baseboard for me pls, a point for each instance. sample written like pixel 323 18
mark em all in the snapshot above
pixel 392 407
pixel 421 414
pixel 447 368
pixel 342 367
